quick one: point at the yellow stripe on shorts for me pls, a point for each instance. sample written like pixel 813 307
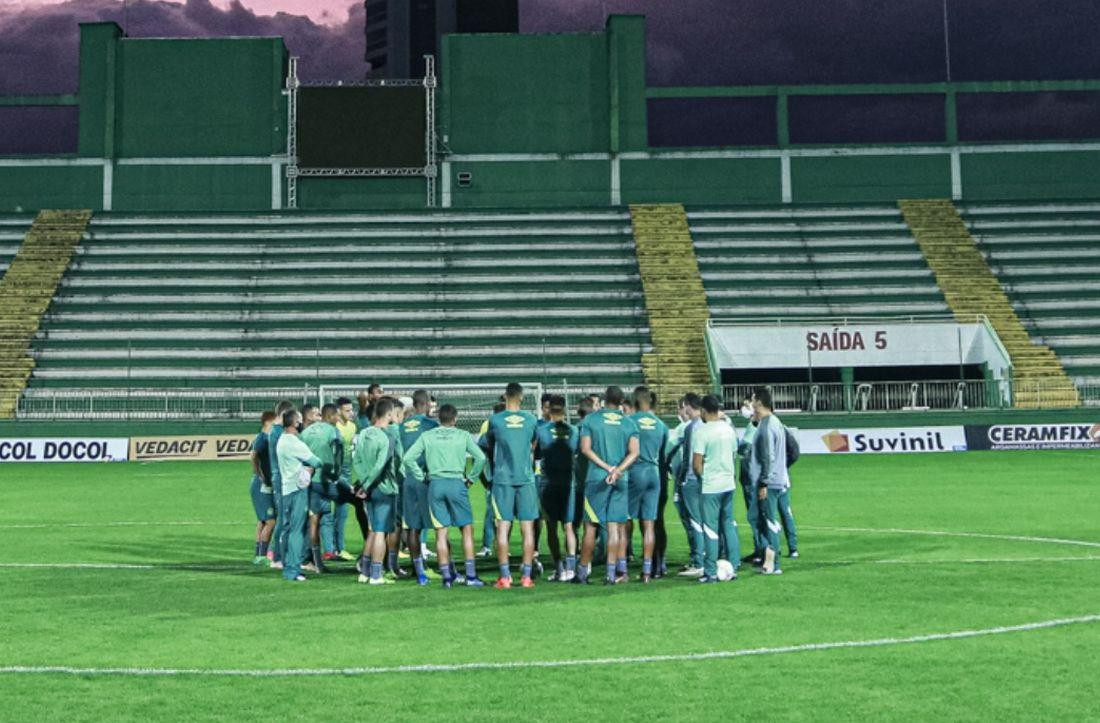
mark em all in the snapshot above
pixel 592 516
pixel 496 510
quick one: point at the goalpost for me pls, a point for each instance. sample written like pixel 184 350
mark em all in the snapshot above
pixel 473 401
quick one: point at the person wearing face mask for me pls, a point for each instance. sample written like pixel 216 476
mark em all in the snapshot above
pixel 752 502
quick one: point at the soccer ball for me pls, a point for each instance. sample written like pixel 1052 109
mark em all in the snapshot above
pixel 725 570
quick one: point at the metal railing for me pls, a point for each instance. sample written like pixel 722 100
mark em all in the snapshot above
pixel 68 403
pixel 878 396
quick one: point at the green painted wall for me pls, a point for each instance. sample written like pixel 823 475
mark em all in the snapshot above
pixel 191 188
pixel 209 97
pixel 537 183
pixel 527 93
pixel 701 181
pixel 853 179
pixel 316 194
pixel 31 189
pixel 1048 175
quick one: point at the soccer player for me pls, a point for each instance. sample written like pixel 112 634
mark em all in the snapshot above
pixel 332 534
pixel 557 448
pixel 610 442
pixel 442 450
pixel 674 453
pixel 277 483
pixel 750 473
pixel 393 540
pixel 488 531
pixel 366 404
pixel 375 452
pixel 690 489
pixel 580 471
pixel 510 439
pixel 263 497
pixel 770 451
pixel 414 493
pixel 296 466
pixel 713 448
pixel 646 476
pixel 325 442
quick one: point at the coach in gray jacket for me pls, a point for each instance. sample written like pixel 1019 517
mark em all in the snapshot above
pixel 769 451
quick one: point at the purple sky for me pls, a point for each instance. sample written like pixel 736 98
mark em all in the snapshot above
pixel 690 42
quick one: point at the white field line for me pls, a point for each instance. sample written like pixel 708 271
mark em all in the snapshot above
pixel 528 664
pixel 940 533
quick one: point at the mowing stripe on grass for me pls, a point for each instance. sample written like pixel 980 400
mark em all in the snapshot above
pixel 521 664
pixel 942 533
pixel 178 523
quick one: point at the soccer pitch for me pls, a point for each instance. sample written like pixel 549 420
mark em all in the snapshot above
pixel 951 586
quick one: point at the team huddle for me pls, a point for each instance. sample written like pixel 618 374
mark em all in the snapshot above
pixel 404 468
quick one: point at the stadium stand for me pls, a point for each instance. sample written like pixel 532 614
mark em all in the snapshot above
pixel 1047 258
pixel 27 289
pixel 812 262
pixel 292 299
pixel 971 287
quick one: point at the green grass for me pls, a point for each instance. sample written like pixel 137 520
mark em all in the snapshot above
pixel 204 606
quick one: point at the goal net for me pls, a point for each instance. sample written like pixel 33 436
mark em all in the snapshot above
pixel 474 402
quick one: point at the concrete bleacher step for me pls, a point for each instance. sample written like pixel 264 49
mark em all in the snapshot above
pixel 200 301
pixel 970 287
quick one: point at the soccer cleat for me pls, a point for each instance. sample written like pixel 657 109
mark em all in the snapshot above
pixel 400 572
pixel 578 580
pixel 259 559
pixel 299 578
pixel 276 565
pixel 422 581
pixel 484 552
pixel 691 572
pixel 503 583
pixel 381 581
pixel 568 576
pixel 363 578
pixel 403 555
pixel 707 579
pixel 556 576
pixel 432 574
pixel 309 567
pixel 428 554
pixel 447 583
pixel 474 582
pixel 536 570
pixel 792 554
pixel 329 556
pixel 644 578
pixel 622 579
pixel 776 571
pixel 345 556
pixel 526 582
pixel 389 576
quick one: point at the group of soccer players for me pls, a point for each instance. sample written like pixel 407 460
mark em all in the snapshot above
pixel 404 467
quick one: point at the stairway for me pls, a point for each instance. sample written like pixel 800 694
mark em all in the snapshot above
pixel 675 301
pixel 27 288
pixel 970 288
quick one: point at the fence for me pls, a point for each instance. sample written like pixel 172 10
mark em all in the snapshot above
pixel 167 403
pixel 876 396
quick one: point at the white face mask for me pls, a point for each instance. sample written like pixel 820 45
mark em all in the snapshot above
pixel 746 412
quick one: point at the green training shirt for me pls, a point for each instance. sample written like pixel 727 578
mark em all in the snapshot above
pixel 611 432
pixel 375 451
pixel 717 442
pixel 510 436
pixel 444 450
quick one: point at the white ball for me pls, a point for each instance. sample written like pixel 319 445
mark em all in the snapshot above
pixel 725 570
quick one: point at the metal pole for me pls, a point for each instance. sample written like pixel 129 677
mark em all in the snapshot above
pixel 946 43
pixel 292 133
